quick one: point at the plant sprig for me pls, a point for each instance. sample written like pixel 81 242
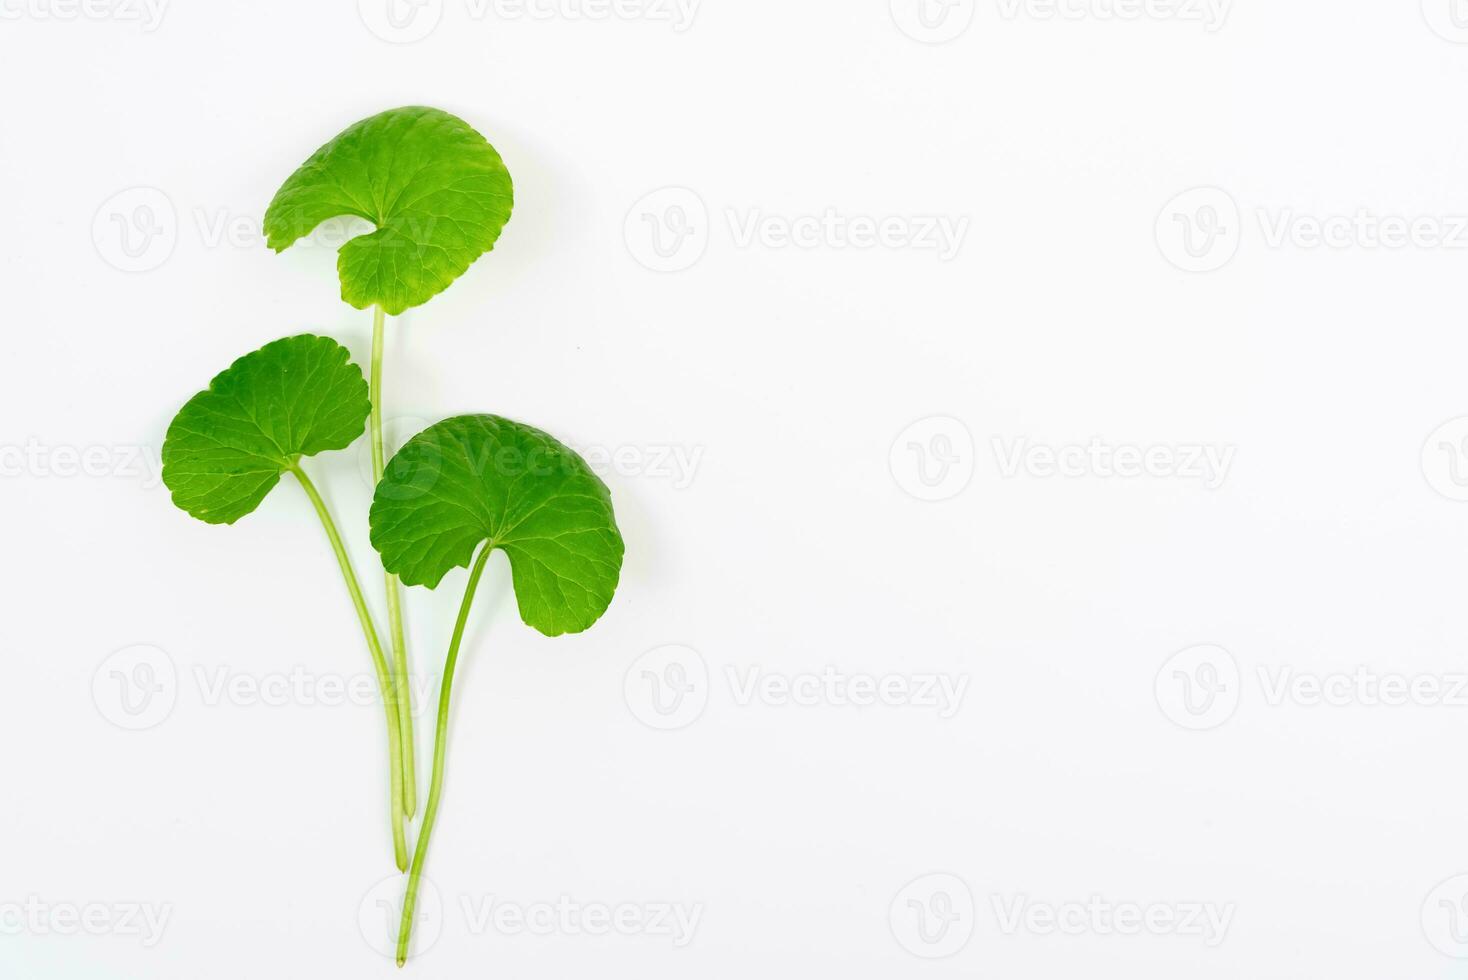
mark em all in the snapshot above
pixel 438 196
pixel 230 444
pixel 483 483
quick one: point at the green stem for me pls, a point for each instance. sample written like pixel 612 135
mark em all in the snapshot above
pixel 374 646
pixel 440 743
pixel 404 699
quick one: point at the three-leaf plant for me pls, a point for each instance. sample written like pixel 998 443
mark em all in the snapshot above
pixel 438 196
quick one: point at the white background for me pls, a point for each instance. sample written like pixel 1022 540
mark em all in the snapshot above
pixel 1079 764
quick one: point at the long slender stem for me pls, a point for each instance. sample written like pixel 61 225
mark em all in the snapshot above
pixel 404 699
pixel 379 661
pixel 440 745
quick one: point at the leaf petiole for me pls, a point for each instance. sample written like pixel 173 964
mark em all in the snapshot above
pixel 403 699
pixel 379 661
pixel 440 745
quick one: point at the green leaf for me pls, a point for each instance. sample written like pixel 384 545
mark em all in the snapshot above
pixel 477 478
pixel 228 446
pixel 435 189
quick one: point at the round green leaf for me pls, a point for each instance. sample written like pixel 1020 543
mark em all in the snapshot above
pixel 435 189
pixel 228 446
pixel 477 478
